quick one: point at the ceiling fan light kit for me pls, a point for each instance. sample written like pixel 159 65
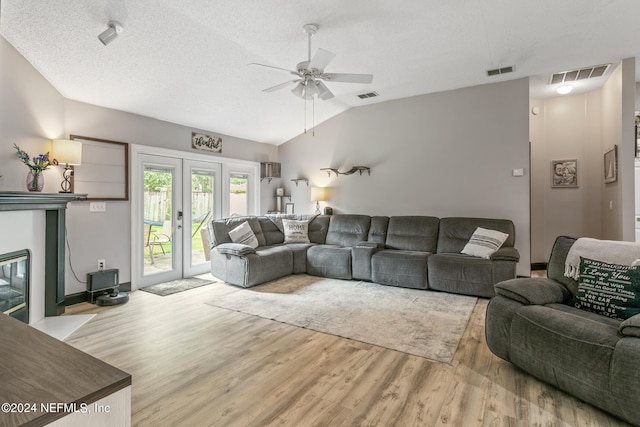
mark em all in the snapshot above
pixel 310 73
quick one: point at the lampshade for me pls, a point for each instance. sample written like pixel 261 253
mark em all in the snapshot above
pixel 67 151
pixel 318 194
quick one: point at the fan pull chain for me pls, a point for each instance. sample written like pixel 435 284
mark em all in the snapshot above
pixel 305 115
pixel 313 116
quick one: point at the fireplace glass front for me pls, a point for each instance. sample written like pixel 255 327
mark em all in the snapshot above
pixel 14 284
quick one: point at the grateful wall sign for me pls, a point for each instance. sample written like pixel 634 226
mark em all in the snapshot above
pixel 200 141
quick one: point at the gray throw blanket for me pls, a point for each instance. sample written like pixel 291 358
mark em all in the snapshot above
pixel 609 251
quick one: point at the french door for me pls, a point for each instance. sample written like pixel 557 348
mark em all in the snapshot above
pixel 174 195
pixel 178 197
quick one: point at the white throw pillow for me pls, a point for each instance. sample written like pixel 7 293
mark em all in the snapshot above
pixel 244 234
pixel 484 243
pixel 295 231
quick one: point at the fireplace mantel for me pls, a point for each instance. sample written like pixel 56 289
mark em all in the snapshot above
pixel 54 205
pixel 22 200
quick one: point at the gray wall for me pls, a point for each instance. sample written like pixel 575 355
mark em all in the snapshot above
pixel 443 154
pixel 32 113
pixel 583 127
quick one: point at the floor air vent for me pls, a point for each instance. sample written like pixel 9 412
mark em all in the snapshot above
pixel 579 74
pixel 368 95
pixel 503 70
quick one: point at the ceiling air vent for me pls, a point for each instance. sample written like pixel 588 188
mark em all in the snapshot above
pixel 580 74
pixel 503 70
pixel 368 95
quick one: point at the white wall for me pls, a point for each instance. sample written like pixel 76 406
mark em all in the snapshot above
pixel 443 154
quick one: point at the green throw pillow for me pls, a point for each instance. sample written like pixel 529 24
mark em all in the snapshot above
pixel 608 289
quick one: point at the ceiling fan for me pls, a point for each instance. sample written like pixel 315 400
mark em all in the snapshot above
pixel 310 73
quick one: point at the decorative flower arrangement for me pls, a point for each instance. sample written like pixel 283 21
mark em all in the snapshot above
pixel 36 164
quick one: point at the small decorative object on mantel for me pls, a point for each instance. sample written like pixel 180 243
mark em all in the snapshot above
pixel 204 142
pixel 35 179
pixel 611 165
pixel 353 170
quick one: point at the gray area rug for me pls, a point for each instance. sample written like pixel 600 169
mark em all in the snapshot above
pixel 175 286
pixel 422 323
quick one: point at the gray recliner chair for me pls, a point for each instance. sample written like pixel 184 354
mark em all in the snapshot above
pixel 595 358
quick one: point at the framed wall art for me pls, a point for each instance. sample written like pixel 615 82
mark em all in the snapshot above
pixel 564 173
pixel 611 165
pixel 104 171
pixel 200 141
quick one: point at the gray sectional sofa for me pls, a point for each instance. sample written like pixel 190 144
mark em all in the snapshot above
pixel 421 252
pixel 531 324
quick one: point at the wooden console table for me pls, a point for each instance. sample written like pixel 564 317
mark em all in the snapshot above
pixel 46 381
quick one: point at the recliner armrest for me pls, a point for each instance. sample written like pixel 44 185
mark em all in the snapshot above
pixel 630 327
pixel 235 249
pixel 369 245
pixel 533 291
pixel 506 254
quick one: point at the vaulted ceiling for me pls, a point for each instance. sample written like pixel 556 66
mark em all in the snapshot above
pixel 187 62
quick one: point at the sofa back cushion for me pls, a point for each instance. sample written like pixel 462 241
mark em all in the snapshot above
pixel 272 234
pixel 556 267
pixel 455 232
pixel 219 229
pixel 348 230
pixel 378 229
pixel 413 233
pixel 318 228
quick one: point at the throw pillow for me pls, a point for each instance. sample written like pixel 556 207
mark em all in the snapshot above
pixel 608 289
pixel 244 234
pixel 295 231
pixel 484 243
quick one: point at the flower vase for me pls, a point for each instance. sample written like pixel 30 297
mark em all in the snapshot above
pixel 35 181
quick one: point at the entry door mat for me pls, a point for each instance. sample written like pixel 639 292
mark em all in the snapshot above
pixel 175 286
pixel 422 323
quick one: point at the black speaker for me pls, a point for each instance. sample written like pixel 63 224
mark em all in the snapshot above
pixel 328 210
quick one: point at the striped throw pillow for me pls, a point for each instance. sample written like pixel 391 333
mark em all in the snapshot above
pixel 484 243
pixel 244 234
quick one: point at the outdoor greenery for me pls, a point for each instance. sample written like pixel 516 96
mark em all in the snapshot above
pixel 154 181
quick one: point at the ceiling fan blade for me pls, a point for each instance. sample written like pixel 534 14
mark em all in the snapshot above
pixel 347 78
pixel 323 91
pixel 321 59
pixel 280 86
pixel 276 68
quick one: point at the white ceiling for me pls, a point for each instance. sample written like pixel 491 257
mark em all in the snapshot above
pixel 186 61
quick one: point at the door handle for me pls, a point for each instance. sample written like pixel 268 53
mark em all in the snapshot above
pixel 179 215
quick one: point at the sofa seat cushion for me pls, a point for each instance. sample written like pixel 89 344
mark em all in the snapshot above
pixel 299 251
pixel 407 269
pixel 267 263
pixel 461 274
pixel 329 261
pixel 565 346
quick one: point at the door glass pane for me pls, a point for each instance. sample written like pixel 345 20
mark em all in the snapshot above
pixel 158 239
pixel 202 208
pixel 238 201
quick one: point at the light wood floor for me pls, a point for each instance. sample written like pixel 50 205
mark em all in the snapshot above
pixel 198 365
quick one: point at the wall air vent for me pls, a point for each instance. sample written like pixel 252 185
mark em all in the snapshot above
pixel 580 74
pixel 368 95
pixel 503 70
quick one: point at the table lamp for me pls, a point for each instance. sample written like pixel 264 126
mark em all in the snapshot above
pixel 318 194
pixel 70 153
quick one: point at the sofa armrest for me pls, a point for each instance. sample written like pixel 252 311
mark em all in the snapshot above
pixel 533 291
pixel 506 254
pixel 235 249
pixel 373 245
pixel 630 327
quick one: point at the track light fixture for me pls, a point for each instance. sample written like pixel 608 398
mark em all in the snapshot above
pixel 111 33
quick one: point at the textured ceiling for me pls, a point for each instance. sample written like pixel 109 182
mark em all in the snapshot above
pixel 186 61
